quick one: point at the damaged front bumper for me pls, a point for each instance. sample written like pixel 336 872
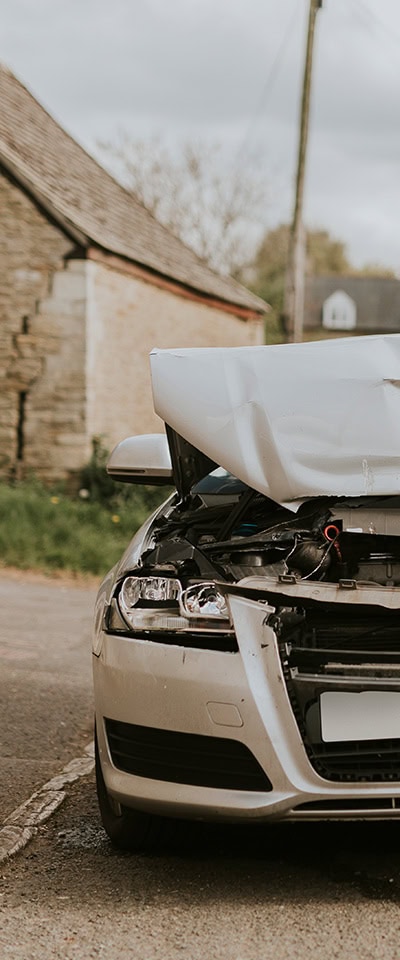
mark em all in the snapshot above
pixel 252 734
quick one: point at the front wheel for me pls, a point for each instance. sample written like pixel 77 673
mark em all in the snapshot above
pixel 129 829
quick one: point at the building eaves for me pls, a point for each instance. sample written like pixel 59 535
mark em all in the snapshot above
pixel 91 205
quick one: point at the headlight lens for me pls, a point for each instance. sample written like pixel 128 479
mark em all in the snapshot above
pixel 150 589
pixel 151 603
pixel 204 600
pixel 159 604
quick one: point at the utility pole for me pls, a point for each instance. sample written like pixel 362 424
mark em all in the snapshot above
pixel 295 270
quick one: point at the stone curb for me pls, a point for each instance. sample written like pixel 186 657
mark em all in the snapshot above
pixel 22 824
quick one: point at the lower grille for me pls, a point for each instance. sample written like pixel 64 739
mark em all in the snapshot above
pixel 343 650
pixel 349 761
pixel 387 803
pixel 373 760
pixel 184 758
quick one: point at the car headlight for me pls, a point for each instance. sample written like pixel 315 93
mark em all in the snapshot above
pixel 148 589
pixel 154 604
pixel 204 600
pixel 151 603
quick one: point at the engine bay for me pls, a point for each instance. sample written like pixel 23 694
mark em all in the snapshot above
pixel 235 532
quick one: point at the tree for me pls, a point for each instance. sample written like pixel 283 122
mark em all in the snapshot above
pixel 324 255
pixel 376 270
pixel 267 271
pixel 215 207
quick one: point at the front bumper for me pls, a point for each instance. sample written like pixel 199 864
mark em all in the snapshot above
pixel 240 697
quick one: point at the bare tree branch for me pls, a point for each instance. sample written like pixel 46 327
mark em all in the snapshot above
pixel 218 213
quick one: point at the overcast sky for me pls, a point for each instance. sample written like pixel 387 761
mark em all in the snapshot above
pixel 230 71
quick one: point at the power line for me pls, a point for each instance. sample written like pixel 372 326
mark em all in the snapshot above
pixel 268 84
pixel 375 20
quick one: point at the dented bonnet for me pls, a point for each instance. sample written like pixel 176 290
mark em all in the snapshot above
pixel 292 420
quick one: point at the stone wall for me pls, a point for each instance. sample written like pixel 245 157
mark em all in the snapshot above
pixel 126 318
pixel 75 337
pixel 42 341
pixel 57 440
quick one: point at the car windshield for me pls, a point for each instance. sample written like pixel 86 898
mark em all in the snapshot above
pixel 220 481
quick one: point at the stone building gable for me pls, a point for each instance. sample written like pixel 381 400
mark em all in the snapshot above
pixel 92 205
pixel 75 337
pixel 89 284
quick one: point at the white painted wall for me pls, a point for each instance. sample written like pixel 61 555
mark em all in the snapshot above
pixel 126 318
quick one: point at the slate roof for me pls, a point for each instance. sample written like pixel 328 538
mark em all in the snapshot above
pixel 377 300
pixel 88 202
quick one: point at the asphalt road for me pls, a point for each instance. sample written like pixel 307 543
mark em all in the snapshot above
pixel 222 893
pixel 289 891
pixel 46 706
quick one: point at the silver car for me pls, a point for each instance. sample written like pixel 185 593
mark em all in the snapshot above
pixel 247 646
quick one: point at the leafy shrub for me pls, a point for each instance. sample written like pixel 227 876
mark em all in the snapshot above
pixel 46 530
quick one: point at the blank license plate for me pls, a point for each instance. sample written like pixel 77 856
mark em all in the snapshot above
pixel 372 715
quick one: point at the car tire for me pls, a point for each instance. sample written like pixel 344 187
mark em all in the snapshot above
pixel 130 829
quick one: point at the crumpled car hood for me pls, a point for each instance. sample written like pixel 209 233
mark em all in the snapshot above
pixel 293 420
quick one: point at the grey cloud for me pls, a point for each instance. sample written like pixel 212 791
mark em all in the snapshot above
pixel 199 68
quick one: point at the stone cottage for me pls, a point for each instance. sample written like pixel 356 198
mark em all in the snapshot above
pixel 90 282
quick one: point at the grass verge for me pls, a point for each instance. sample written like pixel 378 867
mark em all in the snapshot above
pixel 46 530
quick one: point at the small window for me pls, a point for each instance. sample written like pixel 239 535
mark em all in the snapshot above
pixel 339 312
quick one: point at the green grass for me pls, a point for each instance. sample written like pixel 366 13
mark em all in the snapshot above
pixel 46 530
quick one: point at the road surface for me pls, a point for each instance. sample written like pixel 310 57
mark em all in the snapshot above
pixel 225 893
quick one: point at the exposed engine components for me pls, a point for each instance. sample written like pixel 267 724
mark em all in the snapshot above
pixel 323 539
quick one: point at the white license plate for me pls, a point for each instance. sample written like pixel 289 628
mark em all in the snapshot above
pixel 371 715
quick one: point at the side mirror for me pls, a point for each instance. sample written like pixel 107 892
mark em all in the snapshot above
pixel 143 459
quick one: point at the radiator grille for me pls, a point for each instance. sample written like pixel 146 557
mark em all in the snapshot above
pixel 346 647
pixel 373 760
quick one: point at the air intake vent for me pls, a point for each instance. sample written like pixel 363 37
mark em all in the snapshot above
pixel 184 758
